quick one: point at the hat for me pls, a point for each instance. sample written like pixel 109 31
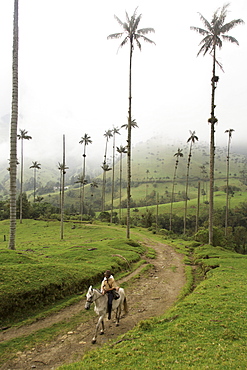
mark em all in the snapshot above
pixel 108 273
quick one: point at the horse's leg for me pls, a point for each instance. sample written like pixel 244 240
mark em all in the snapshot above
pixel 118 313
pixel 102 331
pixel 97 327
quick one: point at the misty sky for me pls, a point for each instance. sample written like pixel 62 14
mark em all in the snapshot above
pixel 74 81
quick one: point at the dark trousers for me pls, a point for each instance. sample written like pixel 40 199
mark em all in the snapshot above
pixel 110 299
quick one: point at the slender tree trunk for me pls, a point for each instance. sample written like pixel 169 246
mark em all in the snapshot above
pixel 13 129
pixel 172 195
pixel 198 205
pixel 83 178
pixel 227 185
pixel 157 211
pixel 212 121
pixel 113 175
pixel 21 191
pixel 129 144
pixel 120 186
pixel 34 184
pixel 62 192
pixel 186 188
pixel 103 191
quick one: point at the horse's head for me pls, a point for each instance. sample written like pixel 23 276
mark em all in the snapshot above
pixel 89 297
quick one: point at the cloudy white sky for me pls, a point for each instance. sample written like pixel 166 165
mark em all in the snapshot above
pixel 73 81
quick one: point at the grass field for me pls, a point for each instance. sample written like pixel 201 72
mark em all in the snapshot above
pixel 205 330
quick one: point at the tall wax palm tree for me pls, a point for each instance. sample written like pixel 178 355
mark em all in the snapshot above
pixel 121 150
pixel 115 131
pixel 107 135
pixel 229 132
pixel 105 167
pixel 192 139
pixel 214 33
pixel 22 136
pixel 178 155
pixel 62 168
pixel 133 35
pixel 85 140
pixel 35 166
pixel 13 128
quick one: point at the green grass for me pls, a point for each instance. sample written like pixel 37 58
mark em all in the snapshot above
pixel 205 330
pixel 45 269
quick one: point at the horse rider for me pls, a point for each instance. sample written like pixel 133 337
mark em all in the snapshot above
pixel 108 285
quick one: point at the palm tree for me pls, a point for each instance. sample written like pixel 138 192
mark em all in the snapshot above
pixel 22 136
pixel 133 35
pixel 178 155
pixel 192 139
pixel 115 131
pixel 62 168
pixel 121 150
pixel 107 135
pixel 13 128
pixel 105 167
pixel 229 132
pixel 35 166
pixel 214 34
pixel 84 140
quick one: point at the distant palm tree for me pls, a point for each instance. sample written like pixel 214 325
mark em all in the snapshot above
pixel 214 33
pixel 133 35
pixel 62 168
pixel 178 155
pixel 105 168
pixel 84 140
pixel 22 136
pixel 13 128
pixel 35 166
pixel 229 132
pixel 107 135
pixel 115 131
pixel 121 150
pixel 192 139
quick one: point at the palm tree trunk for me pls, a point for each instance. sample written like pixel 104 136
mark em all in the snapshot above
pixel 212 153
pixel 13 129
pixel 227 186
pixel 129 144
pixel 21 181
pixel 62 192
pixel 120 187
pixel 113 175
pixel 172 195
pixel 186 189
pixel 83 178
pixel 198 205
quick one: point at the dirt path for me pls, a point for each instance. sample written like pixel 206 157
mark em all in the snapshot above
pixel 149 297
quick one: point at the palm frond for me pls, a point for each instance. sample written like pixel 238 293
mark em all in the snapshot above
pixel 205 22
pixel 144 38
pixel 118 20
pixel 200 30
pixel 115 36
pixel 136 23
pixel 230 39
pixel 144 31
pixel 229 26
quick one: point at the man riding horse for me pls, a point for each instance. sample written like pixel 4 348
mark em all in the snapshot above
pixel 108 286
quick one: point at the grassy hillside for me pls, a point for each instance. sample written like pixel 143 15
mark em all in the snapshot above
pixel 152 172
pixel 205 330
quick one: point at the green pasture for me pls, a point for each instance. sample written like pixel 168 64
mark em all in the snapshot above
pixel 45 269
pixel 205 330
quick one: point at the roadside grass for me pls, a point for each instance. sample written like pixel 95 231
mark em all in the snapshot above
pixel 207 329
pixel 45 269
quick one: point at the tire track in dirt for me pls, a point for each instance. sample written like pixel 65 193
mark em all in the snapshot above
pixel 147 297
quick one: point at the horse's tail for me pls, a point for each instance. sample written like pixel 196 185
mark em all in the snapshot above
pixel 125 305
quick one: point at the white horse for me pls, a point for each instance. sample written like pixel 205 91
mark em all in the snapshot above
pixel 101 306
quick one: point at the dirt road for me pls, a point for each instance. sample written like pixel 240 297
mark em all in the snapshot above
pixel 148 297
